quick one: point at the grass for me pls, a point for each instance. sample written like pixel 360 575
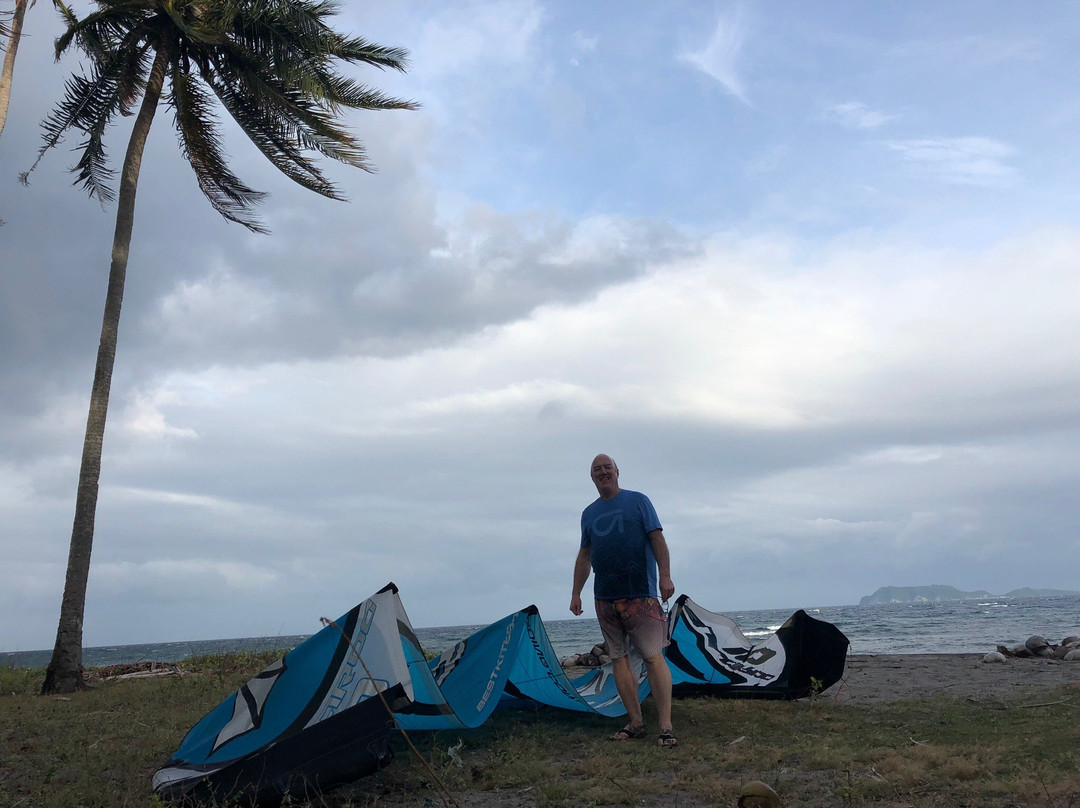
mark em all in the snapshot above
pixel 99 748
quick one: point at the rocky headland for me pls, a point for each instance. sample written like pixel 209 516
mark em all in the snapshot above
pixel 937 593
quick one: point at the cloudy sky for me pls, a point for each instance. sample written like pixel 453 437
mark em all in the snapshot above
pixel 809 273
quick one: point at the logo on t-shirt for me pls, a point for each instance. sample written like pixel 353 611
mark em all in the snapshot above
pixel 608 522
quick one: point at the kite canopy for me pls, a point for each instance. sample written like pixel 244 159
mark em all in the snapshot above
pixel 322 715
pixel 709 656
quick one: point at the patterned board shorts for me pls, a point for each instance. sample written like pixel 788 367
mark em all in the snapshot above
pixel 639 622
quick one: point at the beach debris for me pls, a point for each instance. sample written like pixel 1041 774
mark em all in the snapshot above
pixel 756 794
pixel 134 670
pixel 454 752
pixel 995 656
pixel 1037 646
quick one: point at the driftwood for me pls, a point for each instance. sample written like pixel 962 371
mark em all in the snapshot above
pixel 135 670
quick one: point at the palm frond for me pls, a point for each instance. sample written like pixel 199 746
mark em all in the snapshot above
pixel 274 138
pixel 200 140
pixel 360 50
pixel 304 100
pixel 347 92
pixel 101 33
pixel 133 73
pixel 88 105
pixel 292 39
pixel 306 22
pixel 304 124
pixel 272 64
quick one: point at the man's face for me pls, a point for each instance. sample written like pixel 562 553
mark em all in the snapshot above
pixel 605 475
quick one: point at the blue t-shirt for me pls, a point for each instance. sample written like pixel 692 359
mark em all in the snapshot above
pixel 616 531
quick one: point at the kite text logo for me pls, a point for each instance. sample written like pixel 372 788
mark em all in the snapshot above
pixel 498 666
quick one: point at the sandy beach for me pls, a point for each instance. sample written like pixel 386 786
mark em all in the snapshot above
pixel 895 677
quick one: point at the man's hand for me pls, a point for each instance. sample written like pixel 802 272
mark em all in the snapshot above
pixel 667 588
pixel 663 563
pixel 582 569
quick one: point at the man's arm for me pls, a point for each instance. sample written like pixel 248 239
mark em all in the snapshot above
pixel 663 563
pixel 582 568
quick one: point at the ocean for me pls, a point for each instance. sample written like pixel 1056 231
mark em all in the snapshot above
pixel 963 626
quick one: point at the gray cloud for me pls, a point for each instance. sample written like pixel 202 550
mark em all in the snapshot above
pixel 359 298
pixel 409 386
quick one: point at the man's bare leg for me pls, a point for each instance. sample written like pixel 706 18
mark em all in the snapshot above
pixel 659 674
pixel 627 684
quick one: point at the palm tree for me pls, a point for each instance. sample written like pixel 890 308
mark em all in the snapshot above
pixel 271 64
pixel 14 35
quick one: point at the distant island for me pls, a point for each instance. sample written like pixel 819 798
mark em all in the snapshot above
pixel 938 592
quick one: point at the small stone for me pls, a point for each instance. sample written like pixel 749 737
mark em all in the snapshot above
pixel 1073 655
pixel 757 794
pixel 994 656
pixel 1022 651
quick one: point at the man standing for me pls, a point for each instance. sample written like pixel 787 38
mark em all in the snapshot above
pixel 623 542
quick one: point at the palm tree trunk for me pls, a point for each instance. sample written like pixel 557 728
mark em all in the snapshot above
pixel 65 671
pixel 9 59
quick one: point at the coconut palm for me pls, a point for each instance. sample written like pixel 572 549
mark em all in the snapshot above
pixel 14 35
pixel 271 64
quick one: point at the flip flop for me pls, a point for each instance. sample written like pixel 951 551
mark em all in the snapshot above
pixel 667 740
pixel 629 733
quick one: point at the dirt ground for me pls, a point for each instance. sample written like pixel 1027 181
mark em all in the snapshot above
pixel 899 677
pixel 867 679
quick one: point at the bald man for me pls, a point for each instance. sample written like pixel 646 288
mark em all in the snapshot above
pixel 623 542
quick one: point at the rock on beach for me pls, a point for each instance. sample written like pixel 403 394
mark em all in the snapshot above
pixel 594 658
pixel 1038 646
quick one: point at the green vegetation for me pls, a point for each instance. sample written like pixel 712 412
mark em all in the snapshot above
pixel 99 748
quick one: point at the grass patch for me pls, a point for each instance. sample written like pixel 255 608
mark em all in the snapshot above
pixel 99 749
